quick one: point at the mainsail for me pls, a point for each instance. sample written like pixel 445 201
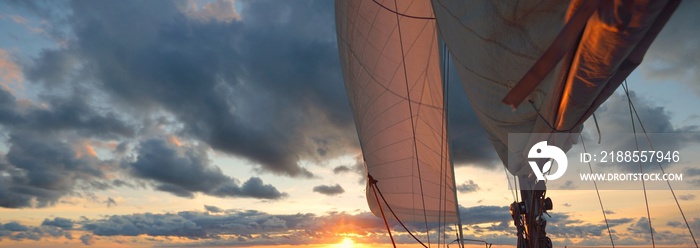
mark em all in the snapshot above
pixel 495 43
pixel 390 60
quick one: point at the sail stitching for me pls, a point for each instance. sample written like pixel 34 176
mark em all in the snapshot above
pixel 517 25
pixel 402 14
pixel 413 128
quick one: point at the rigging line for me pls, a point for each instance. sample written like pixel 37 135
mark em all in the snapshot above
pixel 375 187
pixel 662 169
pixel 516 187
pixel 443 143
pixel 512 188
pixel 641 170
pixel 401 14
pixel 600 200
pixel 410 110
pixel 552 128
pixel 596 127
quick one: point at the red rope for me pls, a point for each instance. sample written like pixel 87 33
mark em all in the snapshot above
pixel 371 184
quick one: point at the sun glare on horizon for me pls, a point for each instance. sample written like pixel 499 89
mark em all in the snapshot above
pixel 347 242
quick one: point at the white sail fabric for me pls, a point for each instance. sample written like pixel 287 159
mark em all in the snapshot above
pixel 390 61
pixel 494 43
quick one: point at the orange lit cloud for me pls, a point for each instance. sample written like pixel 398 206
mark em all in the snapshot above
pixel 84 148
pixel 219 10
pixel 10 73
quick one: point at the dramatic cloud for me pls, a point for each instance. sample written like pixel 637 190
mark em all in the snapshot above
pixel 640 228
pixel 63 223
pixel 183 171
pixel 232 227
pixel 149 224
pixel 485 214
pixel 16 231
pixel 110 202
pixel 10 73
pixel 253 226
pixel 468 187
pixel 87 239
pixel 330 190
pixel 213 209
pixel 40 169
pixel 614 118
pixel 469 140
pixel 341 169
pixel 675 54
pixel 617 222
pixel 61 114
pixel 220 10
pixel 356 168
pixel 264 84
pixel 686 197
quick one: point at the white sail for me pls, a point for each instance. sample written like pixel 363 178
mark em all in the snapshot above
pixel 390 61
pixel 495 43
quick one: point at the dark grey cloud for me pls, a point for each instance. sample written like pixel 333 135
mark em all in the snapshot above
pixel 341 169
pixel 60 114
pixel 148 224
pixel 63 223
pixel 232 227
pixel 565 227
pixel 686 197
pixel 213 209
pixel 267 87
pixel 14 227
pixel 485 214
pixel 568 185
pixel 560 225
pixel 469 140
pixel 691 172
pixel 640 228
pixel 87 239
pixel 185 171
pixel 357 168
pixel 254 226
pixel 110 202
pixel 43 168
pixel 44 160
pixel 675 54
pixel 614 118
pixel 16 231
pixel 468 187
pixel 329 190
pixel 617 222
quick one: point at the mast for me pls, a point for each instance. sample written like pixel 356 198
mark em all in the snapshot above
pixel 445 60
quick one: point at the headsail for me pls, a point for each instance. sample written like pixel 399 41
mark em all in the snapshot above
pixel 389 55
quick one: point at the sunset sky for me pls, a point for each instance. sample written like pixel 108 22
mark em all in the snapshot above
pixel 226 123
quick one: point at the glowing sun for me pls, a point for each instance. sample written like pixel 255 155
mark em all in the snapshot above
pixel 346 243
